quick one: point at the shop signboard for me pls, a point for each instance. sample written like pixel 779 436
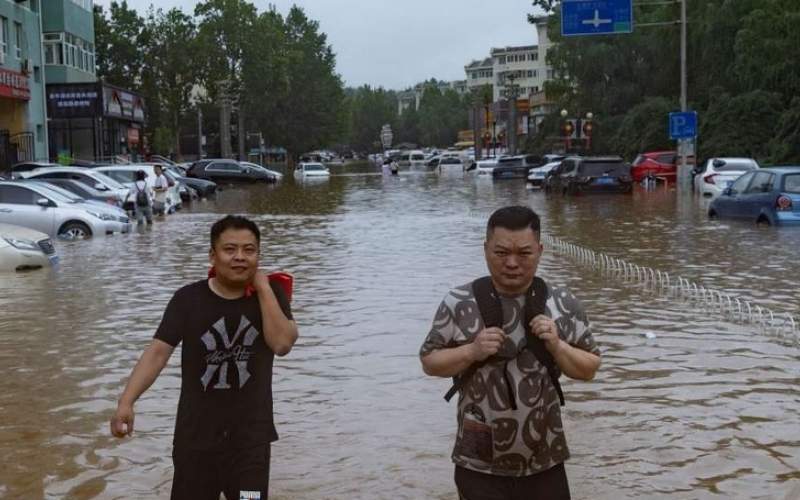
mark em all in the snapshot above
pixel 14 85
pixel 72 100
pixel 119 103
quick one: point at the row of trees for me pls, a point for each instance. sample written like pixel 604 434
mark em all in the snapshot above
pixel 742 73
pixel 280 71
pixel 441 115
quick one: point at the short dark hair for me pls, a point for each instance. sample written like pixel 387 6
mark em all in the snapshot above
pixel 514 218
pixel 233 222
pixel 141 175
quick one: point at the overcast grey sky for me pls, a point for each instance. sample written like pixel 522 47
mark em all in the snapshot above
pixel 395 44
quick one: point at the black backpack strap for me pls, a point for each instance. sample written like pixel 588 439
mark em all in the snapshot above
pixel 492 314
pixel 535 302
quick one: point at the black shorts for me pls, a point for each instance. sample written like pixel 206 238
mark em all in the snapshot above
pixel 550 484
pixel 239 474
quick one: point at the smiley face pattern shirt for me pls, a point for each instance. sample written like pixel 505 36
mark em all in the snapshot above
pixel 492 437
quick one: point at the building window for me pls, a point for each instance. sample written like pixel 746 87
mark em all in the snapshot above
pixel 550 74
pixel 18 40
pixel 501 59
pixel 4 35
pixel 536 73
pixel 69 50
pixel 530 74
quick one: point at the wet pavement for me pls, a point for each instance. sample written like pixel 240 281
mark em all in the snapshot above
pixel 686 404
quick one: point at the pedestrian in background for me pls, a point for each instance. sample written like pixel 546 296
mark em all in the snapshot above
pixel 139 195
pixel 160 188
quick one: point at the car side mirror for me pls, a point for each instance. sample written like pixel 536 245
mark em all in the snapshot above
pixel 727 191
pixel 100 187
pixel 43 202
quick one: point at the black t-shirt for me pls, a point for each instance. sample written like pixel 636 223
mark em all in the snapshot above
pixel 226 368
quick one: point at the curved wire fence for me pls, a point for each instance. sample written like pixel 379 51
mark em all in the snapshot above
pixel 781 325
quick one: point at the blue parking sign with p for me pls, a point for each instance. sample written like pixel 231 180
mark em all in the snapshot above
pixel 683 125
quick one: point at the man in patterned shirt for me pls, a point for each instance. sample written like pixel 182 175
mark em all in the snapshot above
pixel 510 442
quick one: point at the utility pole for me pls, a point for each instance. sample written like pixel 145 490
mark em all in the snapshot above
pixel 199 133
pixel 476 123
pixel 224 101
pixel 512 91
pixel 242 134
pixel 684 175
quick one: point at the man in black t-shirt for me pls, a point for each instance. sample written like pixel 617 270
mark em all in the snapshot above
pixel 231 326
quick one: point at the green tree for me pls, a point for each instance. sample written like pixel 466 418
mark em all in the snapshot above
pixel 170 74
pixel 119 40
pixel 311 110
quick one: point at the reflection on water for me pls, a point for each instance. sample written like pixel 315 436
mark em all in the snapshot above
pixel 706 409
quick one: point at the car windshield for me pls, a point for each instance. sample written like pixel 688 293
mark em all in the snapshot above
pixel 309 168
pixel 736 165
pixel 510 162
pixel 417 157
pixel 108 181
pixel 450 161
pixel 59 194
pixel 601 168
pixel 791 183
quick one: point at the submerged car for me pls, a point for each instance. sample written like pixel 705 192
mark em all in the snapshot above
pixel 306 170
pixel 719 173
pixel 515 167
pixel 39 206
pixel 595 174
pixel 22 249
pixel 537 175
pixel 769 196
pixel 228 171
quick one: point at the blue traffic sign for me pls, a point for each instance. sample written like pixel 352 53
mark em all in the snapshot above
pixel 683 125
pixel 596 17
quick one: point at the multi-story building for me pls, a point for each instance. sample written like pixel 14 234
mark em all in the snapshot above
pixel 480 73
pixel 413 96
pixel 524 66
pixel 88 119
pixel 23 133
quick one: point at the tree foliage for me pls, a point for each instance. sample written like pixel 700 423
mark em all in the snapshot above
pixel 742 77
pixel 280 72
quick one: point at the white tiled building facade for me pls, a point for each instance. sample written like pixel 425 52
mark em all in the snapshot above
pixel 527 64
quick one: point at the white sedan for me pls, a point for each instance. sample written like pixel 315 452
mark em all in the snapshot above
pixel 719 173
pixel 536 175
pixel 22 249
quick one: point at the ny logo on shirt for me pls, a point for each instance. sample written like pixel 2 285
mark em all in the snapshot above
pixel 234 350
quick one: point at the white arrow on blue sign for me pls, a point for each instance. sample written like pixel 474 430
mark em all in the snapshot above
pixel 683 125
pixel 596 17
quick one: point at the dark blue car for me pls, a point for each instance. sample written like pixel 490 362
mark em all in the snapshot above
pixel 768 196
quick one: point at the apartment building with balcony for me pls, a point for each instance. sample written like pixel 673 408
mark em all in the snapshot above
pixel 23 132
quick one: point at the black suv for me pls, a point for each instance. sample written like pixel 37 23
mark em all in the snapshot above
pixel 595 174
pixel 515 167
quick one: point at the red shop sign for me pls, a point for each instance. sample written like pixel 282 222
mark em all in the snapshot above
pixel 14 85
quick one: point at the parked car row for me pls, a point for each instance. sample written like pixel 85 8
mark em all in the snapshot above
pixel 584 174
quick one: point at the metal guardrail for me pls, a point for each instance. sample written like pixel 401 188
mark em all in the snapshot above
pixel 781 325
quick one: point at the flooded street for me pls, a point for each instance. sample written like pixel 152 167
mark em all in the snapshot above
pixel 686 404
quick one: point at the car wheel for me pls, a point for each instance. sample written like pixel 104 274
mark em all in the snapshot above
pixel 763 221
pixel 74 231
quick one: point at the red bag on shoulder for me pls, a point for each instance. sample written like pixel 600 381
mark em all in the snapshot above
pixel 285 280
